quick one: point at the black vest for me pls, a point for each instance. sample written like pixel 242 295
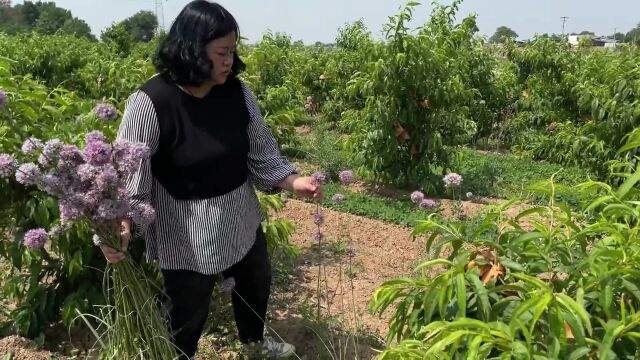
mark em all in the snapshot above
pixel 203 146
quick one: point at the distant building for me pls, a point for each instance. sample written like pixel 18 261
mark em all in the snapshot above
pixel 574 39
pixel 596 41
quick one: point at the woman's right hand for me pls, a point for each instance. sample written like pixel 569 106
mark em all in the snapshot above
pixel 116 255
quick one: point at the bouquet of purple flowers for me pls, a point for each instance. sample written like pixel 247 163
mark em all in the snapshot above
pixel 89 185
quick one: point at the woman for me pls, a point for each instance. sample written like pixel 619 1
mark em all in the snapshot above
pixel 209 148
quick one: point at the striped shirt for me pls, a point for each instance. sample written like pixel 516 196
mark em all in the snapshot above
pixel 203 235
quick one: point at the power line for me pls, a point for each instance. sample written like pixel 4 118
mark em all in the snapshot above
pixel 564 20
pixel 160 15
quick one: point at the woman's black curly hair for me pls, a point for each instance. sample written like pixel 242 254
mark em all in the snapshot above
pixel 182 54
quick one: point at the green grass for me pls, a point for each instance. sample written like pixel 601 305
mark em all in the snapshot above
pixel 507 176
pixel 397 211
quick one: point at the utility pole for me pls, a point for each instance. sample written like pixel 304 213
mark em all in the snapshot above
pixel 564 20
pixel 160 15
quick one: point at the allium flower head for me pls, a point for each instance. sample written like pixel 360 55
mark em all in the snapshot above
pixel 351 250
pixel 128 155
pixel 28 174
pixel 8 165
pixel 97 153
pixel 428 204
pixel 317 178
pixel 4 99
pixel 318 219
pixel 31 144
pixel 35 239
pixel 106 178
pixel 52 148
pixel 143 214
pixel 106 112
pixel 338 198
pixel 95 136
pixel 452 179
pixel 346 177
pixel 71 156
pixel 88 172
pixel 52 185
pixel 69 212
pixel 417 197
pixel 228 284
pixel 112 209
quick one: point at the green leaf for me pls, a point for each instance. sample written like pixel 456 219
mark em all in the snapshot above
pixel 628 185
pixel 575 308
pixel 531 280
pixel 535 210
pixel 482 297
pixel 432 263
pixel 474 347
pixel 461 295
pixel 579 352
pixel 631 288
pixel 613 328
pixel 510 264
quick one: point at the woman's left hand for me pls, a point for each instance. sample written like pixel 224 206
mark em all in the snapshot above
pixel 304 187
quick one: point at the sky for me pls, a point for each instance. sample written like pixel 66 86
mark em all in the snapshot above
pixel 319 20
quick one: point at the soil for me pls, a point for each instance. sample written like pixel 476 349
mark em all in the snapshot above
pixel 380 252
pixel 22 349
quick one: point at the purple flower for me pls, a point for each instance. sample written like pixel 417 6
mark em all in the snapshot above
pixel 85 201
pixel 69 212
pixel 4 99
pixel 91 199
pixel 112 209
pixel 52 185
pixel 318 219
pixel 106 112
pixel 35 239
pixel 87 172
pixel 452 179
pixel 338 198
pixel 318 236
pixel 8 165
pixel 417 197
pixel 428 204
pixel 346 177
pixel 97 153
pixel 123 193
pixel 128 155
pixel 351 250
pixel 45 161
pixel 143 214
pixel 107 178
pixel 31 144
pixel 95 136
pixel 228 284
pixel 71 156
pixel 52 148
pixel 28 174
pixel 317 178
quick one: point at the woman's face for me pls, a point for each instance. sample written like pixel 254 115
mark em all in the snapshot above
pixel 220 52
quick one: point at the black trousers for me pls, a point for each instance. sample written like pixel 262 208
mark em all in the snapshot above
pixel 189 294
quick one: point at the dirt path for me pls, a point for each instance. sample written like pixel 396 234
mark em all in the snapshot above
pixel 380 252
